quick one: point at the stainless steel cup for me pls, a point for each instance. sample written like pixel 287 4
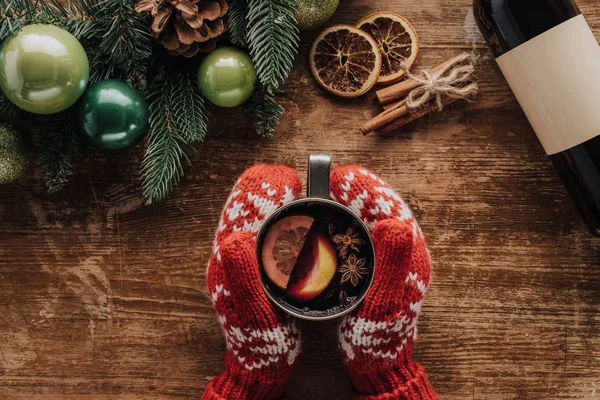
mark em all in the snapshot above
pixel 319 166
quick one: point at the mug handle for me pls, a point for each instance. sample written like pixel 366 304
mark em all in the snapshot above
pixel 319 166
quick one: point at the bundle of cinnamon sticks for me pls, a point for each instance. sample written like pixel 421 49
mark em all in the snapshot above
pixel 419 95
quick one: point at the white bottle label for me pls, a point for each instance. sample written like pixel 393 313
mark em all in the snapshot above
pixel 556 78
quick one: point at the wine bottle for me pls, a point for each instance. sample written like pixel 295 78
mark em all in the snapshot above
pixel 551 60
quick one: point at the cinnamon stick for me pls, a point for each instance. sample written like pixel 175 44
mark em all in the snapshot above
pixel 393 104
pixel 410 117
pixel 402 89
pixel 396 111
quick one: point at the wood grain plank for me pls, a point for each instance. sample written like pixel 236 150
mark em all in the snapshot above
pixel 103 298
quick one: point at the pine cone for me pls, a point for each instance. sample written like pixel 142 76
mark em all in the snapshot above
pixel 186 27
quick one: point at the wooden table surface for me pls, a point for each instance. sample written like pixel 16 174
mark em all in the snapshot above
pixel 103 298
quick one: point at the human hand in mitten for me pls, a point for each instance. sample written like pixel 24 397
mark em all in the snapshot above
pixel 377 340
pixel 262 344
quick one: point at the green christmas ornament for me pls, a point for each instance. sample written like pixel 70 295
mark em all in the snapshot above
pixel 227 77
pixel 113 116
pixel 314 13
pixel 43 69
pixel 14 154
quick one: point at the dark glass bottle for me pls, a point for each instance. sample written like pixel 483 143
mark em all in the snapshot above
pixel 528 38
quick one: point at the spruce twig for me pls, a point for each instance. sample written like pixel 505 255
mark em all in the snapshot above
pixel 118 44
pixel 58 143
pixel 178 118
pixel 125 45
pixel 238 31
pixel 268 28
pixel 115 37
pixel 272 39
pixel 8 111
pixel 58 146
pixel 11 20
pixel 264 112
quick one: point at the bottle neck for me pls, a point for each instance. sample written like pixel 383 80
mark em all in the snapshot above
pixel 510 23
pixel 532 18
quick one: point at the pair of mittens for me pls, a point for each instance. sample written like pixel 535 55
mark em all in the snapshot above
pixel 376 341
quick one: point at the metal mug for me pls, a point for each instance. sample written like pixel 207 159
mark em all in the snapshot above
pixel 319 166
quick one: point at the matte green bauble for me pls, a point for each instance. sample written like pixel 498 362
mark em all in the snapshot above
pixel 227 77
pixel 14 154
pixel 113 116
pixel 43 69
pixel 314 13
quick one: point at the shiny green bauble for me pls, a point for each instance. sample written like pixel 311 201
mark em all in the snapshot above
pixel 113 116
pixel 314 13
pixel 43 69
pixel 227 77
pixel 14 154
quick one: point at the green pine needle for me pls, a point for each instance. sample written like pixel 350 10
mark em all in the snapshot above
pixel 116 38
pixel 264 112
pixel 118 43
pixel 272 39
pixel 178 118
pixel 125 45
pixel 237 22
pixel 8 111
pixel 58 146
pixel 269 29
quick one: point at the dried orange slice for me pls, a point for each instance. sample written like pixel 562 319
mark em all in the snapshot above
pixel 397 41
pixel 345 61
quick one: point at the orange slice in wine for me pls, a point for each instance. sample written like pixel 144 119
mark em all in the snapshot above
pixel 314 270
pixel 282 246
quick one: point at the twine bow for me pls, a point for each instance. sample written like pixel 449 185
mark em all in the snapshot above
pixel 454 80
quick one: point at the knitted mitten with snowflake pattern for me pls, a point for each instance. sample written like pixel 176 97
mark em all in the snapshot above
pixel 377 340
pixel 262 344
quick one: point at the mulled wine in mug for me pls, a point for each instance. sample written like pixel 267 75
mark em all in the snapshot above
pixel 317 258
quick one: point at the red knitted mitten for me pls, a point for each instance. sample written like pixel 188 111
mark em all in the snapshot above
pixel 262 344
pixel 377 341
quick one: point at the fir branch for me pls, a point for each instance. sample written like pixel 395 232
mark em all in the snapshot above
pixel 162 166
pixel 14 14
pixel 8 111
pixel 115 36
pixel 272 39
pixel 58 146
pixel 125 44
pixel 177 119
pixel 237 22
pixel 118 44
pixel 85 19
pixel 18 13
pixel 264 112
pixel 195 117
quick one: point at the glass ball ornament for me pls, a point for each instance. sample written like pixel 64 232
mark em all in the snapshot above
pixel 314 13
pixel 227 77
pixel 43 69
pixel 113 116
